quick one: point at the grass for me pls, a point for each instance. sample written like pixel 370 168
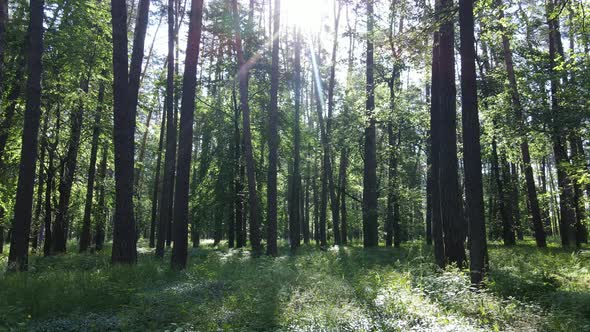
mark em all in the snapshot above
pixel 342 289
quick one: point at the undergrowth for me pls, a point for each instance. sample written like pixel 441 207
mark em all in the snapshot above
pixel 341 289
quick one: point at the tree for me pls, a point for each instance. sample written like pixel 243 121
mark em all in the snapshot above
pixel 471 145
pixel 370 211
pixel 243 74
pixel 524 141
pixel 19 240
pixel 85 237
pixel 273 138
pixel 166 203
pixel 125 93
pixel 295 217
pixel 179 251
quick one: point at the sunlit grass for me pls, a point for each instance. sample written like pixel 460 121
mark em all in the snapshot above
pixel 346 289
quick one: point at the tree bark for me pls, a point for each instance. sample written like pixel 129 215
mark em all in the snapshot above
pixel 295 217
pixel 157 189
pixel 273 139
pixel 243 76
pixel 370 208
pixel 99 231
pixel 540 236
pixel 179 251
pixel 125 93
pixel 167 202
pixel 85 236
pixel 19 240
pixel 566 192
pixel 437 221
pixel 471 145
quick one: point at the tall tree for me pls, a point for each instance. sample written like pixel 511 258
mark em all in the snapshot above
pixel 370 208
pixel 449 178
pixel 166 203
pixel 19 239
pixel 295 217
pixel 125 93
pixel 540 237
pixel 334 206
pixel 100 212
pixel 85 236
pixel 189 84
pixel 157 189
pixel 243 77
pixel 566 193
pixel 471 145
pixel 273 138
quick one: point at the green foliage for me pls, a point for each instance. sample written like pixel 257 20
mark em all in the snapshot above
pixel 348 289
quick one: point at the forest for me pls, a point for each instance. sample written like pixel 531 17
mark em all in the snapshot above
pixel 294 165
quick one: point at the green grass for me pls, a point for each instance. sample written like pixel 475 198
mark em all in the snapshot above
pixel 342 289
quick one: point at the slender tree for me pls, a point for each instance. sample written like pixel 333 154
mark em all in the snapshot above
pixel 19 239
pixel 471 145
pixel 125 93
pixel 189 84
pixel 273 138
pixel 370 209
pixel 295 216
pixel 243 77
pixel 166 203
pixel 524 141
pixel 85 236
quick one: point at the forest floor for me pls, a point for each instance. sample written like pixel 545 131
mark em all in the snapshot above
pixel 342 289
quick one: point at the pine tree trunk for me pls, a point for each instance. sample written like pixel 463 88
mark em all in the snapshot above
pixel 85 236
pixel 157 189
pixel 471 145
pixel 189 84
pixel 566 192
pixel 166 203
pixel 331 85
pixel 295 217
pixel 19 240
pixel 273 141
pixel 540 236
pixel 42 182
pixel 370 208
pixel 125 94
pixel 100 214
pixel 243 74
pixel 238 176
pixel 437 221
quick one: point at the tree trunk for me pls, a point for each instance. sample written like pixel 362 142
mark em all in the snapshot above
pixel 157 189
pixel 243 73
pixel 540 237
pixel 295 217
pixel 566 192
pixel 238 176
pixel 19 240
pixel 437 221
pixel 166 203
pixel 370 208
pixel 42 182
pixel 506 203
pixel 99 232
pixel 331 84
pixel 61 226
pixel 125 93
pixel 273 139
pixel 342 194
pixel 85 236
pixel 471 145
pixel 578 161
pixel 189 84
